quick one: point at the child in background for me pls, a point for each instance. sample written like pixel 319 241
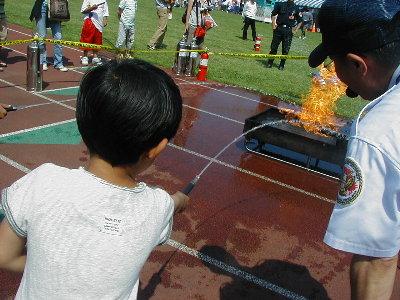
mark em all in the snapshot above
pixel 88 232
pixel 96 17
pixel 249 14
pixel 126 15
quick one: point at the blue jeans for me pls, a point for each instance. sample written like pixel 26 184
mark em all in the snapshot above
pixel 56 32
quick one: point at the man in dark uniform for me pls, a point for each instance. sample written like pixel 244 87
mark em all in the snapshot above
pixel 284 18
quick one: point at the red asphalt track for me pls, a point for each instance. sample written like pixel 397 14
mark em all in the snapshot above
pixel 255 226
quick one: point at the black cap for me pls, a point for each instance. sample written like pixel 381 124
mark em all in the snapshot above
pixel 355 26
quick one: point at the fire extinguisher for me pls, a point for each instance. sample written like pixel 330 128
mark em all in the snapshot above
pixel 192 61
pixel 181 57
pixel 257 45
pixel 202 75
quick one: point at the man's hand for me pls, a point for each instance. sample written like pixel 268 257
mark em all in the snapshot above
pixel 105 21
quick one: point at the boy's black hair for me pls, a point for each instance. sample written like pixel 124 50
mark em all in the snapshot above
pixel 125 108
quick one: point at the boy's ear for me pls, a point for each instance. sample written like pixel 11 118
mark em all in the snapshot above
pixel 155 151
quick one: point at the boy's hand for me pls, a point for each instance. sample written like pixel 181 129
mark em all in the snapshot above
pixel 180 201
pixel 3 111
pixel 105 22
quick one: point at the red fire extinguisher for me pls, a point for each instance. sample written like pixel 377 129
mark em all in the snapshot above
pixel 257 45
pixel 202 75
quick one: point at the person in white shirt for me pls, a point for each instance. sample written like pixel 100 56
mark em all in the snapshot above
pixel 95 18
pixel 126 32
pixel 249 14
pixel 86 233
pixel 362 38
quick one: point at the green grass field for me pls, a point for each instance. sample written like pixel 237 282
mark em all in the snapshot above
pixel 289 84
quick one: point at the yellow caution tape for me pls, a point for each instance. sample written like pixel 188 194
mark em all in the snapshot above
pixel 79 44
pixel 260 55
pixel 114 49
pixel 16 42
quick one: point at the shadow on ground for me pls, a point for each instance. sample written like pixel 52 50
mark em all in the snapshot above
pixel 291 277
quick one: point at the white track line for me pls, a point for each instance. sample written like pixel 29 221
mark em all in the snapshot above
pixel 213 114
pixel 203 257
pixel 36 128
pixel 262 177
pixel 14 164
pixel 60 89
pixel 235 271
pixel 38 95
pixel 222 91
pixel 44 104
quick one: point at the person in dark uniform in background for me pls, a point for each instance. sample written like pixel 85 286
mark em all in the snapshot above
pixel 284 18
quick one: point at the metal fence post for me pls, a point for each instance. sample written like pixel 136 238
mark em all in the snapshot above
pixel 34 70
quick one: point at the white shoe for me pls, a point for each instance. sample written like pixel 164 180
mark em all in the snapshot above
pixel 45 67
pixel 169 16
pixel 96 60
pixel 62 69
pixel 84 60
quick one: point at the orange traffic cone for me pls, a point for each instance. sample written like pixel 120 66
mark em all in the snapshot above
pixel 313 29
pixel 257 45
pixel 202 74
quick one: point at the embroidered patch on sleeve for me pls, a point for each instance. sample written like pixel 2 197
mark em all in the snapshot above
pixel 351 183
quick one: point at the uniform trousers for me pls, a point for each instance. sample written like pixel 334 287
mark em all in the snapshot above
pixel 249 22
pixel 284 35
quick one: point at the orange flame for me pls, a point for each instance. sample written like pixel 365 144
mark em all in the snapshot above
pixel 319 103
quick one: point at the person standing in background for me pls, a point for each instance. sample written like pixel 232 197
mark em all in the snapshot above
pixel 96 17
pixel 3 31
pixel 162 14
pixel 196 11
pixel 126 16
pixel 284 18
pixel 249 13
pixel 39 13
pixel 307 21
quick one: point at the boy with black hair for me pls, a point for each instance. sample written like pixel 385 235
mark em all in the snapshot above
pixel 88 232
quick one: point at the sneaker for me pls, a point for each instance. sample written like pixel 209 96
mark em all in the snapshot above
pixel 62 69
pixel 151 47
pixel 170 16
pixel 45 67
pixel 96 60
pixel 281 68
pixel 84 60
pixel 269 65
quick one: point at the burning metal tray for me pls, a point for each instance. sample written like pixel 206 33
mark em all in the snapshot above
pixel 330 149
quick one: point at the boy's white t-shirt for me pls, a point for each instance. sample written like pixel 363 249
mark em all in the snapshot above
pixel 98 14
pixel 86 238
pixel 128 12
